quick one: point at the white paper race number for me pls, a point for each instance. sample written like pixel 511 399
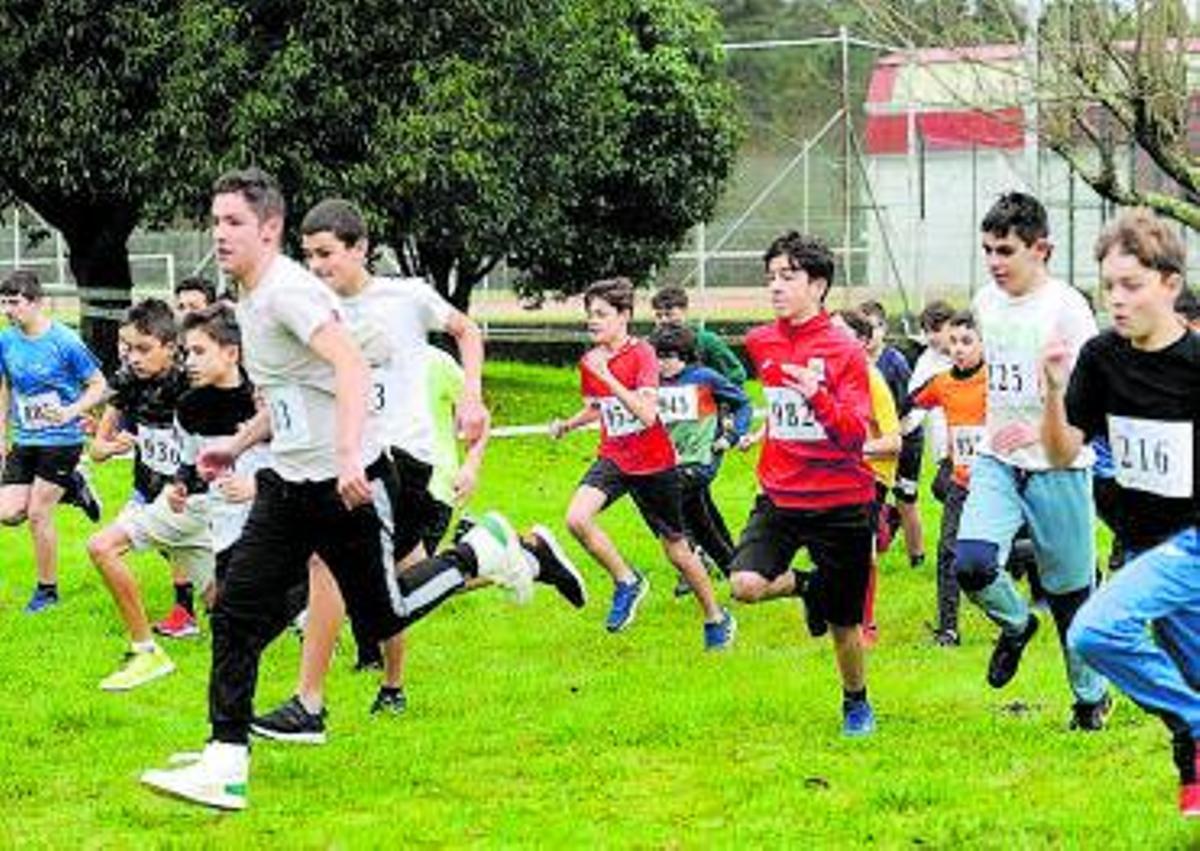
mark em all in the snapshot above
pixel 619 421
pixel 158 449
pixel 35 412
pixel 789 417
pixel 289 418
pixel 1153 455
pixel 965 442
pixel 678 404
pixel 377 398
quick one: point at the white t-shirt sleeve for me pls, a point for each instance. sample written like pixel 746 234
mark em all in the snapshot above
pixel 434 310
pixel 303 309
pixel 1076 324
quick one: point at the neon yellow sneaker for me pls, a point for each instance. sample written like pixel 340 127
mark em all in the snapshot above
pixel 140 667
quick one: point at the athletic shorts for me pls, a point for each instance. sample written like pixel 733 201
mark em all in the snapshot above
pixel 435 527
pixel 416 513
pixel 908 468
pixel 183 538
pixel 838 540
pixel 658 496
pixel 53 464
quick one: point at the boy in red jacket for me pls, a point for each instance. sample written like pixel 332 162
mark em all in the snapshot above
pixel 816 486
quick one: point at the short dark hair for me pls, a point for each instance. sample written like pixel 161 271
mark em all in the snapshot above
pixel 153 317
pixel 616 291
pixel 935 315
pixel 23 282
pixel 858 322
pixel 964 319
pixel 873 310
pixel 217 321
pixel 1018 213
pixel 674 339
pixel 259 188
pixel 669 297
pixel 195 283
pixel 338 217
pixel 1187 304
pixel 808 254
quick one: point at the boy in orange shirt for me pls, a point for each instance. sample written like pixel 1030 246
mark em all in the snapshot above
pixel 961 392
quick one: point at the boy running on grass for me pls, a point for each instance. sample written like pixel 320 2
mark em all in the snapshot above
pixel 934 360
pixel 140 417
pixel 48 379
pixel 1139 384
pixel 816 487
pixel 325 494
pixel 401 312
pixel 961 394
pixel 1012 481
pixel 693 400
pixel 619 384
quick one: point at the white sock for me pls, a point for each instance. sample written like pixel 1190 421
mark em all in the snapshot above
pixel 535 566
pixel 146 646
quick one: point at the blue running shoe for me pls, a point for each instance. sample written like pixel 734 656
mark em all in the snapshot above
pixel 719 635
pixel 858 719
pixel 626 598
pixel 42 599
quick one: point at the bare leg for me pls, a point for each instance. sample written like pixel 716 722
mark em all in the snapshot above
pixel 106 550
pixel 43 496
pixel 688 564
pixel 326 610
pixel 750 587
pixel 847 646
pixel 587 503
pixel 910 521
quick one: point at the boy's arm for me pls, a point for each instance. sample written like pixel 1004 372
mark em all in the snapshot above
pixel 108 439
pixel 3 416
pixel 642 402
pixel 332 342
pixel 1061 440
pixel 735 399
pixel 844 413
pixel 470 412
pixel 586 414
pixel 467 477
pixel 95 387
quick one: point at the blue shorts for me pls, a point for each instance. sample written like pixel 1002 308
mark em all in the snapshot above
pixel 1057 505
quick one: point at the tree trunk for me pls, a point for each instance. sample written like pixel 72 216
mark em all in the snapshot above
pixel 99 259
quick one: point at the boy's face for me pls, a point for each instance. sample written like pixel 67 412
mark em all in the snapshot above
pixel 208 362
pixel 1014 266
pixel 241 240
pixel 1141 300
pixel 670 315
pixel 670 365
pixel 148 356
pixel 339 265
pixel 939 338
pixel 189 301
pixel 605 323
pixel 21 312
pixel 794 295
pixel 966 346
pixel 878 332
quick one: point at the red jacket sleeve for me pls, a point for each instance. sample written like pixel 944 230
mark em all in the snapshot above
pixel 843 404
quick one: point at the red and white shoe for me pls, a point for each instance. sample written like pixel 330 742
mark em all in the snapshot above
pixel 1189 800
pixel 179 623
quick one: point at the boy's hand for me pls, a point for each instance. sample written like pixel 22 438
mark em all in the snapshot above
pixel 1056 365
pixel 1013 437
pixel 352 484
pixel 597 361
pixel 236 488
pixel 557 428
pixel 215 459
pixel 471 418
pixel 466 480
pixel 801 379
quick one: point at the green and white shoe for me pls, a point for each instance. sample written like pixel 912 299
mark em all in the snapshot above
pixel 139 668
pixel 498 553
pixel 217 779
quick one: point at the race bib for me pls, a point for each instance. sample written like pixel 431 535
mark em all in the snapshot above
pixel 619 421
pixel 289 418
pixel 34 412
pixel 1152 455
pixel 1013 378
pixel 789 417
pixel 158 449
pixel 965 442
pixel 678 404
pixel 378 396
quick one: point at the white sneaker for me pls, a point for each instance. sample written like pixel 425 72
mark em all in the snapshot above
pixel 218 779
pixel 498 552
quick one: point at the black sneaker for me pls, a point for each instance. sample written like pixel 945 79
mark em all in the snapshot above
pixel 1090 717
pixel 814 618
pixel 79 493
pixel 1006 657
pixel 389 701
pixel 554 568
pixel 291 722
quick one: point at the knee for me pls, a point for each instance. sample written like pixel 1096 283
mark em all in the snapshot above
pixel 745 587
pixel 1086 638
pixel 976 564
pixel 579 524
pixel 99 548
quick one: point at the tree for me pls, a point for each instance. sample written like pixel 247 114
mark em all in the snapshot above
pixel 1110 92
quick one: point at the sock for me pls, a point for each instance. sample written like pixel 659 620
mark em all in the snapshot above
pixel 535 566
pixel 854 696
pixel 185 594
pixel 143 646
pixel 49 588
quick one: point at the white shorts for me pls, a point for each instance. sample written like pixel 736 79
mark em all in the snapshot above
pixel 184 538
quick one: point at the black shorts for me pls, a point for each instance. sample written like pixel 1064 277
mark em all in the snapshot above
pixel 288 523
pixel 908 467
pixel 839 543
pixel 658 496
pixel 415 512
pixel 53 464
pixel 435 526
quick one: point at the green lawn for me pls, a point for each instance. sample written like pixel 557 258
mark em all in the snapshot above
pixel 534 727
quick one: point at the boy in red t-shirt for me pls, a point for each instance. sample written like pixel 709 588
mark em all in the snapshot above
pixel 619 382
pixel 816 486
pixel 961 392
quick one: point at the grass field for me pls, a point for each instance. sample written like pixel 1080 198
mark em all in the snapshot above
pixel 534 728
